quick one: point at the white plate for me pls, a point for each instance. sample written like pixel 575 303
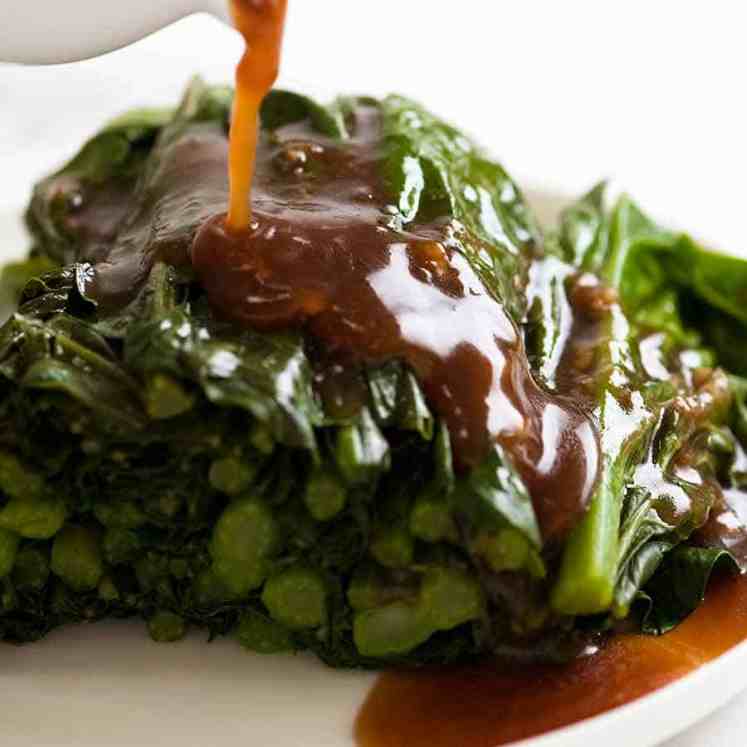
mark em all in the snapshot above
pixel 659 119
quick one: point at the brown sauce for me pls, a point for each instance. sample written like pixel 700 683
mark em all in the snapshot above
pixel 485 706
pixel 261 23
pixel 322 252
pixel 187 185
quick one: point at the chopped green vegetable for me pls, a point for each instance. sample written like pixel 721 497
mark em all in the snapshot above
pixel 230 475
pixel 325 495
pixel 17 480
pixel 432 521
pixel 166 627
pixel 296 598
pixel 77 559
pixel 36 519
pixel 243 539
pixel 447 598
pixel 393 547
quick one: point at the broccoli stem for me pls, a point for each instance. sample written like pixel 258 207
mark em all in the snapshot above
pixel 296 598
pixel 242 540
pixel 586 581
pixel 448 597
pixel 325 495
pixel 77 559
pixel 588 571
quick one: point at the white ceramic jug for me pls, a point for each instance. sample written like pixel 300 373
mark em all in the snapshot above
pixel 51 31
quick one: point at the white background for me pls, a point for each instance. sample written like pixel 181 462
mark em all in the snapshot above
pixel 650 94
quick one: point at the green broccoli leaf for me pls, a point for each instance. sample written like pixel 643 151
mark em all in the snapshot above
pixel 651 523
pixel 433 170
pixel 679 585
pixel 493 491
pixel 266 375
pixel 658 273
pixel 398 401
pixel 584 229
pixel 281 108
pixel 651 269
pixel 65 355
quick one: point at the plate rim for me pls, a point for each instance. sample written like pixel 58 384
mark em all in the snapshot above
pixel 733 661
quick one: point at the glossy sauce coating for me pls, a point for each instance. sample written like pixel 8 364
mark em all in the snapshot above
pixel 187 185
pixel 485 706
pixel 324 252
pixel 261 23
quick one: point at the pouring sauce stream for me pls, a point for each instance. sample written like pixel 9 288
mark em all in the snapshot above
pixel 261 23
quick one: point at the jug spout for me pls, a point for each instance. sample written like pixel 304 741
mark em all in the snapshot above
pixel 51 32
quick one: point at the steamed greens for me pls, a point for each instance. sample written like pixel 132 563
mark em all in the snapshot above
pixel 159 462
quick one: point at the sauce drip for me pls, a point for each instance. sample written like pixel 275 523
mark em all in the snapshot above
pixel 261 24
pixel 484 706
pixel 322 251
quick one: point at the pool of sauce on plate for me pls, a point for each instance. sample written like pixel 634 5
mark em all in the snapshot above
pixel 487 705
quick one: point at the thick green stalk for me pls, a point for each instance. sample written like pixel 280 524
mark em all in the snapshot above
pixel 588 572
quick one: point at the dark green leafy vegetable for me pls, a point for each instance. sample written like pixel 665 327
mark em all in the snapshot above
pixel 157 461
pixel 680 586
